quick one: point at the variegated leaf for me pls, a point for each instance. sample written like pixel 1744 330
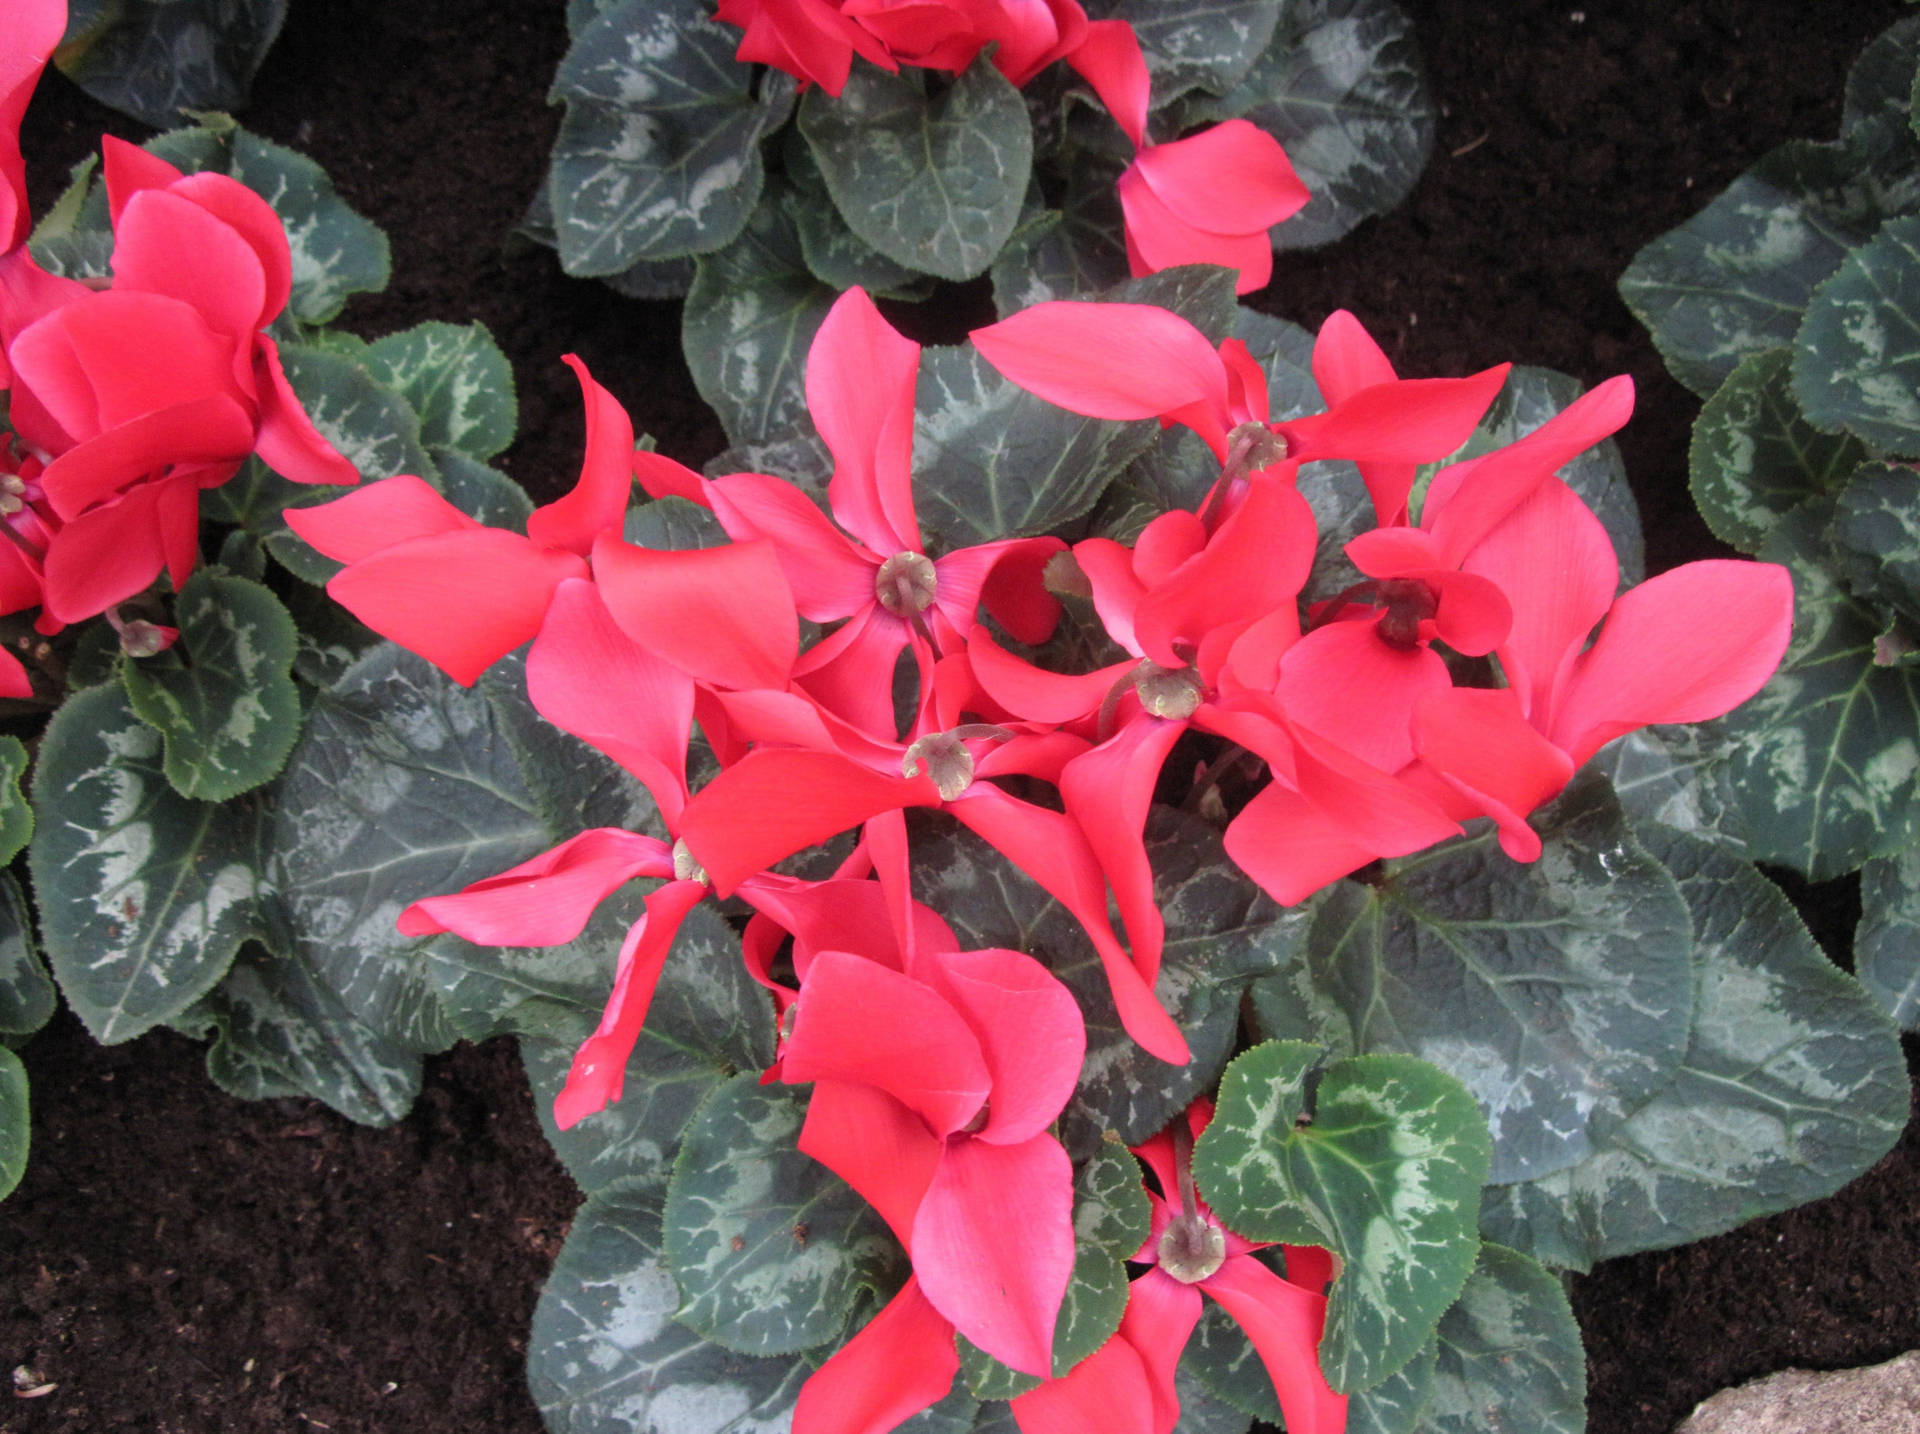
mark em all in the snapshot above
pixel 1110 1209
pixel 771 1250
pixel 1754 458
pixel 835 255
pixel 15 1121
pixel 659 153
pixel 1559 991
pixel 1510 1355
pixel 1875 538
pixel 223 700
pixel 749 320
pixel 27 1000
pixel 1824 761
pixel 1676 776
pixel 1090 1312
pixel 336 252
pixel 157 59
pixel 16 817
pixel 1856 358
pixel 482 491
pixel 1886 948
pixel 1209 44
pixel 456 380
pixel 144 894
pixel 931 176
pixel 1072 252
pixel 1382 1166
pixel 1793 1084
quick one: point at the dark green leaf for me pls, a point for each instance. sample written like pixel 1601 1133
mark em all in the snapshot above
pixel 837 256
pixel 1110 1209
pixel 749 320
pixel 1823 767
pixel 1386 1173
pixel 1072 252
pixel 15 1121
pixel 1510 1354
pixel 336 252
pixel 1880 84
pixel 1559 990
pixel 1876 537
pixel 223 700
pixel 26 995
pixel 1095 1302
pixel 1792 1085
pixel 1856 358
pixel 1209 44
pixel 930 174
pixel 155 59
pixel 1754 458
pixel 16 817
pixel 771 1250
pixel 481 491
pixel 457 382
pixel 574 786
pixel 659 153
pixel 1886 948
pixel 144 895
pixel 1676 776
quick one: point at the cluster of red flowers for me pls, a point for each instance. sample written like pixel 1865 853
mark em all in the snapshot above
pixel 1207 199
pixel 127 398
pixel 937 1072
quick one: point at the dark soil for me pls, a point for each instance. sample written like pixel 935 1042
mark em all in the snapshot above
pixel 178 1261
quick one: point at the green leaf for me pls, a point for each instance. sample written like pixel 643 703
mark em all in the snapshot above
pixel 27 1000
pixel 1676 776
pixel 659 153
pixel 1201 1410
pixel 1735 279
pixel 1886 947
pixel 1559 990
pixel 771 1250
pixel 481 491
pixel 1072 252
pixel 155 59
pixel 1210 44
pixel 223 701
pixel 835 255
pixel 1510 1355
pixel 1875 537
pixel 607 1356
pixel 1343 89
pixel 1220 932
pixel 1793 1084
pixel 1823 765
pixel 1110 1209
pixel 708 1021
pixel 144 894
pixel 456 380
pixel 929 173
pixel 336 252
pixel 1880 84
pixel 1753 458
pixel 1095 1303
pixel 16 817
pixel 749 320
pixel 15 1121
pixel 1386 1174
pixel 574 786
pixel 1856 358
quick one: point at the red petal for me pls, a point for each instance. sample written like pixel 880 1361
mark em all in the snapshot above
pixel 850 672
pixel 1392 552
pixel 34 28
pixel 254 220
pixel 993 1245
pixel 875 1144
pixel 1161 1314
pixel 1290 847
pixel 1165 543
pixel 1379 811
pixel 724 615
pixel 1109 59
pixel 128 169
pixel 377 517
pixel 1117 593
pixel 860 380
pixel 1159 237
pixel 545 900
pixel 287 441
pixel 1345 683
pixel 1108 1392
pixel 1284 1323
pixel 105 556
pixel 1014 594
pixel 901 1362
pixel 462 600
pixel 1412 420
pixel 1231 179
pixel 598 1074
pixel 597 503
pixel 589 678
pixel 841 914
pixel 832 576
pixel 166 244
pixel 1108 792
pixel 14 681
pixel 1346 359
pixel 1034 693
pixel 664 478
pixel 771 804
pixel 213 429
pixel 1029 1029
pixel 1691 644
pixel 1482 744
pixel 1473 615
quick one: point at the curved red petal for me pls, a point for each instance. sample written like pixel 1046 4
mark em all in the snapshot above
pixel 164 243
pixel 1482 744
pixel 1284 1323
pixel 860 382
pixel 1108 791
pixel 1231 179
pixel 213 429
pixel 597 503
pixel 1030 1032
pixel 901 1362
pixel 875 1144
pixel 1108 58
pixel 286 440
pixel 546 899
pixel 1343 682
pixel 831 576
pixel 724 616
pixel 377 517
pixel 1412 420
pixel 33 29
pixel 1160 237
pixel 1108 1392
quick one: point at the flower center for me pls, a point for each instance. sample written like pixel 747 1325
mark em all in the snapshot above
pixel 905 584
pixel 1408 603
pixel 1252 446
pixel 1170 692
pixel 1064 577
pixel 1192 1248
pixel 945 758
pixel 685 868
pixel 13 494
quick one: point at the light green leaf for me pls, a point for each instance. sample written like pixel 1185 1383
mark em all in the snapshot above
pixel 1110 1209
pixel 749 320
pixel 607 1355
pixel 770 1249
pixel 26 995
pixel 223 700
pixel 456 380
pixel 16 817
pixel 1824 761
pixel 1386 1174
pixel 1856 358
pixel 1886 948
pixel 929 174
pixel 156 59
pixel 1209 44
pixel 708 1021
pixel 15 1121
pixel 144 895
pixel 1753 458
pixel 659 153
pixel 1510 1354
pixel 1876 537
pixel 1559 990
pixel 1793 1084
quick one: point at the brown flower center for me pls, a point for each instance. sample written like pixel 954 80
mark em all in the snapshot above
pixel 905 584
